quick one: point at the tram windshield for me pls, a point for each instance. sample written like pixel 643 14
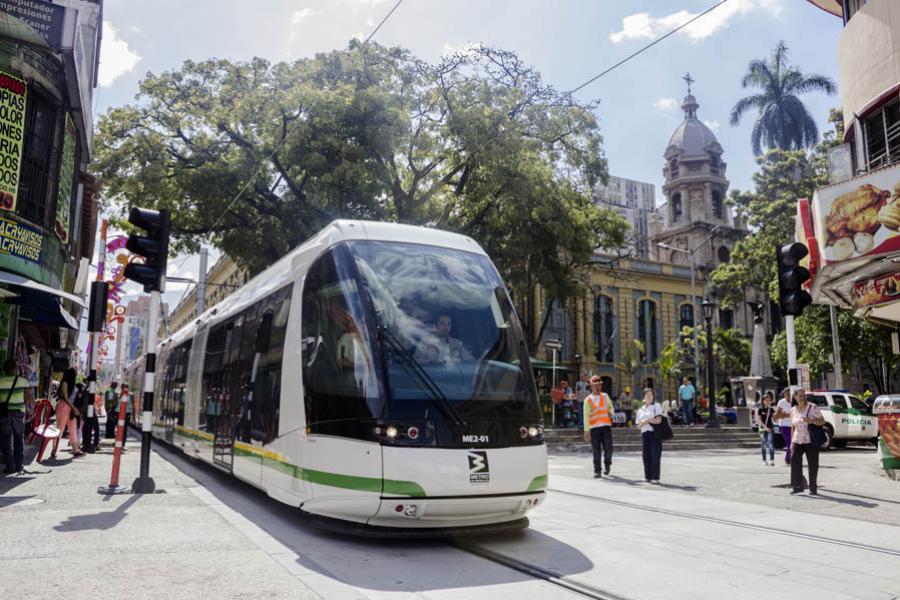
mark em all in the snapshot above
pixel 446 332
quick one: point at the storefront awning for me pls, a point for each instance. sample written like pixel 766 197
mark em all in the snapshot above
pixel 537 363
pixel 19 281
pixel 40 307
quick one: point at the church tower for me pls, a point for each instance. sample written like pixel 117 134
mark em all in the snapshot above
pixel 695 189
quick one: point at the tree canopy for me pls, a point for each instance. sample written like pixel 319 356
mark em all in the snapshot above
pixel 783 121
pixel 476 143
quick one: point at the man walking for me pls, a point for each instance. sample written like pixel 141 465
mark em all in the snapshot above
pixel 687 394
pixel 13 390
pixel 598 418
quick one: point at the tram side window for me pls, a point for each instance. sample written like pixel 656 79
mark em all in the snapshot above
pixel 212 377
pixel 338 370
pixel 175 384
pixel 268 352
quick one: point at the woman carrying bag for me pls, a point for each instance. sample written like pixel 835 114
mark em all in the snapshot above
pixel 66 411
pixel 806 438
pixel 648 415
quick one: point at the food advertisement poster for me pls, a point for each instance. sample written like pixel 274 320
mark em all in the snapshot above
pixel 66 183
pixel 879 290
pixel 12 137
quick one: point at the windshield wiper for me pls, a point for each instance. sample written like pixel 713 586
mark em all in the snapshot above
pixel 408 361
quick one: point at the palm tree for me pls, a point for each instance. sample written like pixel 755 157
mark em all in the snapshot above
pixel 783 120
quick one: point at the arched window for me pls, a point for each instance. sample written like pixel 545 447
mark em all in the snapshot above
pixel 604 331
pixel 676 206
pixel 647 330
pixel 685 317
pixel 724 254
pixel 673 168
pixel 717 205
pixel 714 165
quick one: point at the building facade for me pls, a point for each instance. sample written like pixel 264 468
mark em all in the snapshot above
pixel 48 212
pixel 635 201
pixel 223 279
pixel 649 298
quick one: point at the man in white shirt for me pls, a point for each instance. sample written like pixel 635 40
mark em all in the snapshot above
pixel 783 416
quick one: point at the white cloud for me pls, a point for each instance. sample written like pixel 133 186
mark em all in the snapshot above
pixel 643 26
pixel 298 16
pixel 666 105
pixel 116 58
pixel 714 125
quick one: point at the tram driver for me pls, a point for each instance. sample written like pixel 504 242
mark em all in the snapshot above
pixel 441 347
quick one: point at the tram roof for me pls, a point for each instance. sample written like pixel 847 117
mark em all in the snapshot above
pixel 281 273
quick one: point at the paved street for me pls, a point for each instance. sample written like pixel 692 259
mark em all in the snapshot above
pixel 210 536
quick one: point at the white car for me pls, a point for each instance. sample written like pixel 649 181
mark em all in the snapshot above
pixel 846 418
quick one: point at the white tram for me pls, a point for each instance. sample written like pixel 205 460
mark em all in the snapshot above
pixel 376 377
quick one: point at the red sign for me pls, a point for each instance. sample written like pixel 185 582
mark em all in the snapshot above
pixel 879 290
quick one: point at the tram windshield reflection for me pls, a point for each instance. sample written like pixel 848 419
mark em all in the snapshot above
pixel 450 314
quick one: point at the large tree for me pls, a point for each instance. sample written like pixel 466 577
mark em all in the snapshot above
pixel 476 143
pixel 783 121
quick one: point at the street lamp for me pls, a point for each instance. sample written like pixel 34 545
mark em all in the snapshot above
pixel 577 367
pixel 690 254
pixel 709 308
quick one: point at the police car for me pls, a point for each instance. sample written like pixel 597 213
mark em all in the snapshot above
pixel 846 418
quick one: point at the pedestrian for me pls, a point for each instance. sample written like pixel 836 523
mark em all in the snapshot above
pixel 648 415
pixel 66 411
pixel 783 416
pixel 110 407
pixel 624 404
pixel 687 393
pixel 128 412
pixel 767 429
pixel 803 414
pixel 90 428
pixel 14 393
pixel 568 417
pixel 598 418
pixel 582 389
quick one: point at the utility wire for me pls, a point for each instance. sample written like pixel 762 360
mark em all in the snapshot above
pixel 386 17
pixel 648 46
pixel 278 147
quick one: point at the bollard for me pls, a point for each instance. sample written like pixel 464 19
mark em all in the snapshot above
pixel 114 487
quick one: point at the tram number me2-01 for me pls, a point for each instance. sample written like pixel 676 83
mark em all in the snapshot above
pixel 476 439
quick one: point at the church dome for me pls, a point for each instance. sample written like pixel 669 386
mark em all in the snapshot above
pixel 693 137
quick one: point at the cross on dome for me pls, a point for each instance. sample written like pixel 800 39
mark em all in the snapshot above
pixel 689 80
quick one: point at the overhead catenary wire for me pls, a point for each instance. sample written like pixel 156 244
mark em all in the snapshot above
pixel 647 47
pixel 262 163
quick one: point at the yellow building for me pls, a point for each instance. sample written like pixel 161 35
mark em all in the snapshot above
pixel 649 299
pixel 222 280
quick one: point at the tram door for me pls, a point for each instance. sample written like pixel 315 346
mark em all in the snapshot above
pixel 219 415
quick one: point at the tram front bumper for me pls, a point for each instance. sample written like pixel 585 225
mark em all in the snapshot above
pixel 458 511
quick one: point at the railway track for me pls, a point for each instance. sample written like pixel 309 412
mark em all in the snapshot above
pixel 731 523
pixel 562 581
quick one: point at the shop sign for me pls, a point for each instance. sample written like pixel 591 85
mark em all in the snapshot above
pixel 66 183
pixel 20 241
pixel 875 291
pixel 13 92
pixel 859 218
pixel 44 18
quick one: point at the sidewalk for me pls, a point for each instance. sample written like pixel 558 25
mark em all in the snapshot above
pixel 62 538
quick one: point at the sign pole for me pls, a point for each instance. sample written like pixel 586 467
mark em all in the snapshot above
pixel 791 348
pixel 144 484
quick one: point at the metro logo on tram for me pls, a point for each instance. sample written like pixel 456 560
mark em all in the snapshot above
pixel 479 471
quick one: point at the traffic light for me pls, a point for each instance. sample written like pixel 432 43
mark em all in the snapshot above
pixel 154 247
pixel 791 277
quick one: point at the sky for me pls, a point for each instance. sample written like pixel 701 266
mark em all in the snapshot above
pixel 568 41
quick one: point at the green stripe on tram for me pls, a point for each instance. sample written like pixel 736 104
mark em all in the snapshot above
pixel 538 484
pixel 374 485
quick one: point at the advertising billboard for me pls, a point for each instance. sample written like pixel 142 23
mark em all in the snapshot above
pixel 859 218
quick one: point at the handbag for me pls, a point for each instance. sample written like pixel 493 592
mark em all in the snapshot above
pixel 663 431
pixel 816 433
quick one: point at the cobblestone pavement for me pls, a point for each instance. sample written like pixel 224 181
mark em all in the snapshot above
pixel 851 482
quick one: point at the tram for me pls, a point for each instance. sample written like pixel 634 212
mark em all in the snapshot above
pixel 376 377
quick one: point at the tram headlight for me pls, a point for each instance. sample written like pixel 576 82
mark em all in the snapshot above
pixel 523 432
pixel 391 432
pixel 533 431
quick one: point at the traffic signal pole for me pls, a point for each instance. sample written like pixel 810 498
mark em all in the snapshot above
pixel 144 484
pixel 791 342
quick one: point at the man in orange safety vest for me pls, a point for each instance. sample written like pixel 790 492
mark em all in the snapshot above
pixel 598 419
